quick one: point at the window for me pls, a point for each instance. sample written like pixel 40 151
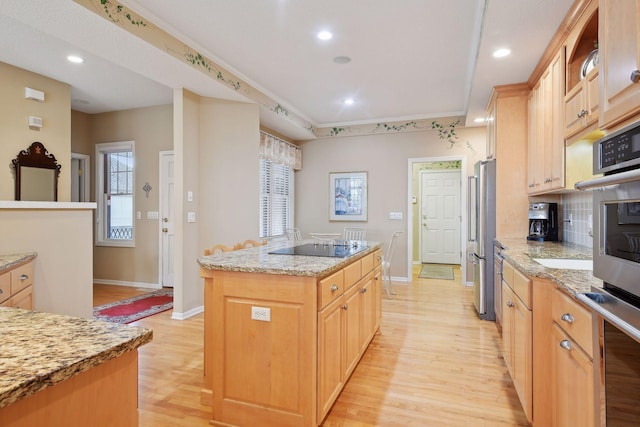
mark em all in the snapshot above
pixel 276 198
pixel 114 193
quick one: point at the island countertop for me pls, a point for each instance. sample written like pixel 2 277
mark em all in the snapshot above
pixel 10 260
pixel 259 260
pixel 521 253
pixel 39 350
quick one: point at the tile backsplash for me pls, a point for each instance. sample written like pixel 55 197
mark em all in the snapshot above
pixel 579 207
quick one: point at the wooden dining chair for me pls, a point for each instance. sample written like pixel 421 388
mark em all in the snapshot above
pixel 217 249
pixel 293 234
pixel 249 244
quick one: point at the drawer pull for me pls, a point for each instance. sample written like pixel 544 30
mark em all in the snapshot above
pixel 363 290
pixel 24 277
pixel 334 288
pixel 566 344
pixel 510 304
pixel 345 307
pixel 1 292
pixel 635 76
pixel 379 258
pixel 582 113
pixel 567 317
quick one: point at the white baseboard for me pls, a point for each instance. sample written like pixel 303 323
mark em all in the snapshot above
pixel 399 279
pixel 128 284
pixel 469 284
pixel 182 316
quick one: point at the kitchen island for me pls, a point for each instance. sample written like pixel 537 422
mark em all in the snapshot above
pixel 67 371
pixel 283 333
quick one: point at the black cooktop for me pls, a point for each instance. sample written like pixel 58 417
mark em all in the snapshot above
pixel 321 249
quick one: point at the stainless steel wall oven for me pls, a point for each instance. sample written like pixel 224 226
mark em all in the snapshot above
pixel 616 260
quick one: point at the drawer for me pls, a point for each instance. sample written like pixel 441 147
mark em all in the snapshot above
pixel 574 319
pixel 21 277
pixel 352 273
pixel 521 285
pixel 330 288
pixel 377 258
pixel 5 286
pixel 507 273
pixel 367 263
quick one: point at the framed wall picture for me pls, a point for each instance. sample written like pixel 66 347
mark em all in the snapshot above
pixel 348 196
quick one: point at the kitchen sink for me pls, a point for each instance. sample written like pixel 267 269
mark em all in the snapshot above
pixel 566 264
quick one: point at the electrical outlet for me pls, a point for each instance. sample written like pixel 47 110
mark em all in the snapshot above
pixel 261 313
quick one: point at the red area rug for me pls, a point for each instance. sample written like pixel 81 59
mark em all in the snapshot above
pixel 135 308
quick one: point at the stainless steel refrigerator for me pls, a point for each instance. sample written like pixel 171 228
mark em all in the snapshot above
pixel 481 230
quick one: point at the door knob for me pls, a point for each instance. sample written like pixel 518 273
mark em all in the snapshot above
pixel 165 229
pixel 165 219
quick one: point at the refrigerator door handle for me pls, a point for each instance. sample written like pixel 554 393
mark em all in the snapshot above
pixel 470 210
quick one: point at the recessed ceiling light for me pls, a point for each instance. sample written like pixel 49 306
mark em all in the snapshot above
pixel 325 35
pixel 349 101
pixel 75 59
pixel 501 53
pixel 341 59
pixel 479 120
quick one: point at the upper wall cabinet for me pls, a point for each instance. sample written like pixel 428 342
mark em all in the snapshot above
pixel 546 136
pixel 619 61
pixel 582 99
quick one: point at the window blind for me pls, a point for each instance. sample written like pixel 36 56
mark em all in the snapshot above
pixel 276 198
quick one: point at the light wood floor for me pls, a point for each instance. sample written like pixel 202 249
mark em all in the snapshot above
pixel 434 363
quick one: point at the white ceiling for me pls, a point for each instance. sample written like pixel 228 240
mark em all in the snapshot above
pixel 411 59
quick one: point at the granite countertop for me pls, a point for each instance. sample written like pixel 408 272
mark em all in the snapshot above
pixel 38 350
pixel 520 254
pixel 258 260
pixel 8 261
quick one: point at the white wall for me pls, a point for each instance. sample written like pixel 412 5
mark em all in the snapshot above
pixel 61 234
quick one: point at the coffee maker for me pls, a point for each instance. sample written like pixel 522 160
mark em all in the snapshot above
pixel 543 222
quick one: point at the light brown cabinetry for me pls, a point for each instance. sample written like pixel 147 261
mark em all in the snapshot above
pixel 563 354
pixel 506 140
pixel 546 134
pixel 619 52
pixel 516 333
pixel 16 287
pixel 582 99
pixel 317 331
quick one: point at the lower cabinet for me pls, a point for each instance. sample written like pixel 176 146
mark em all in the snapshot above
pixel 16 287
pixel 345 329
pixel 516 334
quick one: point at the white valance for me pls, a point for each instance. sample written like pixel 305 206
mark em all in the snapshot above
pixel 280 151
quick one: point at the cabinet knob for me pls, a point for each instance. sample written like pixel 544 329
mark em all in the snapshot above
pixel 24 277
pixel 582 113
pixel 567 317
pixel 379 258
pixel 566 344
pixel 635 76
pixel 345 307
pixel 363 290
pixel 334 288
pixel 510 304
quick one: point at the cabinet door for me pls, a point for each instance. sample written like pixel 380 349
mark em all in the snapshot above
pixel 619 55
pixel 377 279
pixel 352 314
pixel 330 369
pixel 573 110
pixel 572 383
pixel 367 291
pixel 491 130
pixel 507 326
pixel 554 111
pixel 534 154
pixel 23 299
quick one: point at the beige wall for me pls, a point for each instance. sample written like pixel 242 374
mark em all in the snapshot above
pixel 63 268
pixel 152 130
pixel 385 158
pixel 14 130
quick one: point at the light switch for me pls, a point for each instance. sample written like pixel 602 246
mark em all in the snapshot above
pixel 139 215
pixel 152 215
pixel 395 215
pixel 191 217
pixel 189 196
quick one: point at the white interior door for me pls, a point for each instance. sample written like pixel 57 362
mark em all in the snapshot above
pixel 79 177
pixel 440 217
pixel 167 217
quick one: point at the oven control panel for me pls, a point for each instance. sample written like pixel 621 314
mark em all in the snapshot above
pixel 617 151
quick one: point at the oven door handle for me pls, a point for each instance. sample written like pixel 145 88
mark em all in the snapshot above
pixel 618 178
pixel 593 301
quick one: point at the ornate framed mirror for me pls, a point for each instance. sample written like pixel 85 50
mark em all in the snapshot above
pixel 36 174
